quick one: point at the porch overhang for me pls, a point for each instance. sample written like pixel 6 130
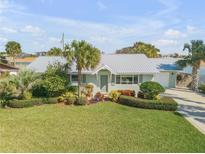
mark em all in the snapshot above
pixel 104 67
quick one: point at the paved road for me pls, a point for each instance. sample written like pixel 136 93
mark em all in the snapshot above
pixel 191 106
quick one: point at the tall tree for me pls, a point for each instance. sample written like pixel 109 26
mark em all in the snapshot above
pixel 196 54
pixel 13 49
pixel 141 48
pixel 55 52
pixel 84 55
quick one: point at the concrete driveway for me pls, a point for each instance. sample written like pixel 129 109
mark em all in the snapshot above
pixel 191 106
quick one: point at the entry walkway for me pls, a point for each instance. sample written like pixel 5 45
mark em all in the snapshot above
pixel 191 106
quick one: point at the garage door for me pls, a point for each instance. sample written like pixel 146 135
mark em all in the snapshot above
pixel 162 78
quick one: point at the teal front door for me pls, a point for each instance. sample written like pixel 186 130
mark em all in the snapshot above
pixel 104 83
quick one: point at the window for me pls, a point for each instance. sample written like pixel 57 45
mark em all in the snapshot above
pixel 74 78
pixel 135 79
pixel 113 78
pixel 140 78
pixel 84 78
pixel 127 79
pixel 118 79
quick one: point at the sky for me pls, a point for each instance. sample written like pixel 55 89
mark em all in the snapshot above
pixel 107 24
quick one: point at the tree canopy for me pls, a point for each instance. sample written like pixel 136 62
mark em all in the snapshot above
pixel 196 54
pixel 55 52
pixel 13 49
pixel 141 48
pixel 84 54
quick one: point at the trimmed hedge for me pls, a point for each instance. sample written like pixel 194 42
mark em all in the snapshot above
pixel 15 103
pixel 81 101
pixel 51 100
pixel 151 89
pixel 202 88
pixel 165 103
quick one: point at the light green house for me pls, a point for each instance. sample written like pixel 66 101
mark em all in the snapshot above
pixel 118 71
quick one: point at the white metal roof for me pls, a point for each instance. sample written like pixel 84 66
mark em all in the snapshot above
pixel 41 63
pixel 117 64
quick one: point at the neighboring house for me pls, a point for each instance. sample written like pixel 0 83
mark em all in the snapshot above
pixel 118 71
pixel 21 62
pixel 42 53
pixel 4 68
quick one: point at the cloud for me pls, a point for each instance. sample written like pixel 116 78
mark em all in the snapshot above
pixel 54 39
pixel 174 33
pixel 101 5
pixel 100 39
pixel 165 42
pixel 170 6
pixel 191 29
pixel 8 30
pixel 7 5
pixel 87 29
pixel 32 29
pixel 3 40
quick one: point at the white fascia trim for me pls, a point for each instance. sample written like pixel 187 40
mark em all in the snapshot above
pixel 104 67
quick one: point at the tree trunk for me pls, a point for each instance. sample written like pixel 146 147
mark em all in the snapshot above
pixel 79 83
pixel 195 78
pixel 14 61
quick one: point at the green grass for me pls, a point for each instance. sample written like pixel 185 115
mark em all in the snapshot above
pixel 104 127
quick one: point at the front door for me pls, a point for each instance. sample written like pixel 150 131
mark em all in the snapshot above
pixel 104 83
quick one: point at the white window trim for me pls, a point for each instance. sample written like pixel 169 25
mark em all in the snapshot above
pixel 77 81
pixel 138 75
pixel 71 76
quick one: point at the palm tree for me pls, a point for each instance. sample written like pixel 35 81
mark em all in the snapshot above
pixel 196 55
pixel 55 52
pixel 13 49
pixel 24 80
pixel 84 55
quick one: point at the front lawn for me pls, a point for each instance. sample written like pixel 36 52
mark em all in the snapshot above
pixel 104 127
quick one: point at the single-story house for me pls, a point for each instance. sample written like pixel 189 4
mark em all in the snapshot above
pixel 118 71
pixel 4 68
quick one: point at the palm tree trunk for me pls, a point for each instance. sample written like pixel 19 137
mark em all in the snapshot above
pixel 14 61
pixel 79 82
pixel 195 78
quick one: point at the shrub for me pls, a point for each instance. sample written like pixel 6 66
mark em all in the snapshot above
pixel 89 90
pixel 24 80
pixel 24 103
pixel 72 89
pixel 114 95
pixel 70 101
pixel 165 103
pixel 15 103
pixel 39 90
pixel 127 92
pixel 151 89
pixel 27 95
pixel 68 98
pixel 55 80
pixel 140 94
pixel 202 88
pixel 99 96
pixel 54 85
pixel 50 100
pixel 81 101
pixel 6 92
pixel 3 103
